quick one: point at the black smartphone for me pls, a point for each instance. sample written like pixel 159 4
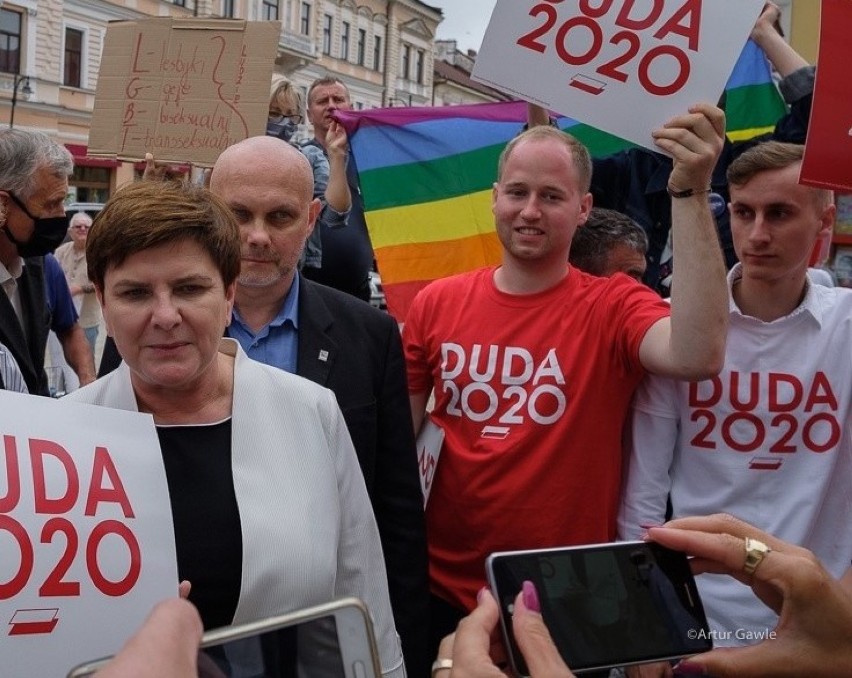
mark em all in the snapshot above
pixel 334 640
pixel 606 605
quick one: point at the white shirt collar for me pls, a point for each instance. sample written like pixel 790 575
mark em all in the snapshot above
pixel 811 304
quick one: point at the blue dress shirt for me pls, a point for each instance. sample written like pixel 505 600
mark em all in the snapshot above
pixel 276 343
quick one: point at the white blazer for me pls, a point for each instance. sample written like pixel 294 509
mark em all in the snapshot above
pixel 308 530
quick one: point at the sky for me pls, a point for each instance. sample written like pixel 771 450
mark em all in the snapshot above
pixel 464 21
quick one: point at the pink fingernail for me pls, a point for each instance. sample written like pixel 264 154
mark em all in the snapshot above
pixel 688 668
pixel 481 593
pixel 530 597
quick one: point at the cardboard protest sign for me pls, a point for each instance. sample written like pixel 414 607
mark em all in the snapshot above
pixel 624 66
pixel 87 543
pixel 182 89
pixel 829 143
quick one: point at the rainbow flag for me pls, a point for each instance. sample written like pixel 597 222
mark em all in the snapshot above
pixel 426 174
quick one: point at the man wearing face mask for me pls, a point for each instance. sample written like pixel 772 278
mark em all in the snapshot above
pixel 34 172
pixel 330 185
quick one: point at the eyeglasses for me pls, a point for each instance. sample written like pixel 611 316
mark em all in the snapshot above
pixel 296 119
pixel 80 227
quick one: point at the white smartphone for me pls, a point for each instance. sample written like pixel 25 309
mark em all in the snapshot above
pixel 605 605
pixel 333 640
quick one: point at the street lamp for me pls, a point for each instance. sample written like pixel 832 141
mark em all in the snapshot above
pixel 26 91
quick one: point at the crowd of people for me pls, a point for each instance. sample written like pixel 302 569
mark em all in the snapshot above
pixel 577 404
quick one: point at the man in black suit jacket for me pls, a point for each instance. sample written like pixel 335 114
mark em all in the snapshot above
pixel 339 342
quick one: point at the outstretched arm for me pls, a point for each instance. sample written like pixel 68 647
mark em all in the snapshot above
pixel 691 344
pixel 780 53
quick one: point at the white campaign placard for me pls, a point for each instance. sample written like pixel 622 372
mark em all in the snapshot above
pixel 623 66
pixel 430 441
pixel 86 537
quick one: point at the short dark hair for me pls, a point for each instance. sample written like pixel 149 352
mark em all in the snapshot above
pixel 323 82
pixel 603 230
pixel 579 153
pixel 148 214
pixel 771 155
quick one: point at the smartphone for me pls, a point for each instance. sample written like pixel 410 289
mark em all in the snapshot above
pixel 606 605
pixel 334 640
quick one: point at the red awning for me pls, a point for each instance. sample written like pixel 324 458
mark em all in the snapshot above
pixel 82 160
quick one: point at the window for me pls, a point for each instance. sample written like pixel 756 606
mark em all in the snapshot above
pixel 179 3
pixel 344 41
pixel 421 57
pixel 73 58
pixel 377 53
pixel 305 20
pixel 406 61
pixel 228 9
pixel 270 10
pixel 326 33
pixel 10 41
pixel 362 45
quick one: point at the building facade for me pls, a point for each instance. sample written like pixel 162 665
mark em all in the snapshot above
pixel 452 85
pixel 50 53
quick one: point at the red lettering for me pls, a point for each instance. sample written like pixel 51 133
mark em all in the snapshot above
pixel 712 399
pixel 424 462
pixel 782 445
pixel 702 438
pixel 632 23
pixel 595 12
pixel 104 585
pixel 732 420
pixel 691 29
pixel 833 432
pixel 38 450
pixel 13 476
pixel 98 493
pixel 754 392
pixel 136 68
pixel 591 53
pixel 17 583
pixel 820 393
pixel 684 68
pixel 129 112
pixel 610 68
pixel 53 585
pixel 775 402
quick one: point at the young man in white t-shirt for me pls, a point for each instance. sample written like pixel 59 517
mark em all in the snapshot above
pixel 769 439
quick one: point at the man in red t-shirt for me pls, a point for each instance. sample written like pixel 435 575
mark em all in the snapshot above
pixel 533 363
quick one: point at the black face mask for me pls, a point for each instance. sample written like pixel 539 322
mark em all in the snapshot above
pixel 283 130
pixel 48 232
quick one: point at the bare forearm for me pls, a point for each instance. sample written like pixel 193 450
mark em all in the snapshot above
pixel 536 115
pixel 781 54
pixel 337 193
pixel 418 409
pixel 78 354
pixel 699 290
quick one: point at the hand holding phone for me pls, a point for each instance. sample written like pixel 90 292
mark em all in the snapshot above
pixel 606 605
pixel 472 652
pixel 334 640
